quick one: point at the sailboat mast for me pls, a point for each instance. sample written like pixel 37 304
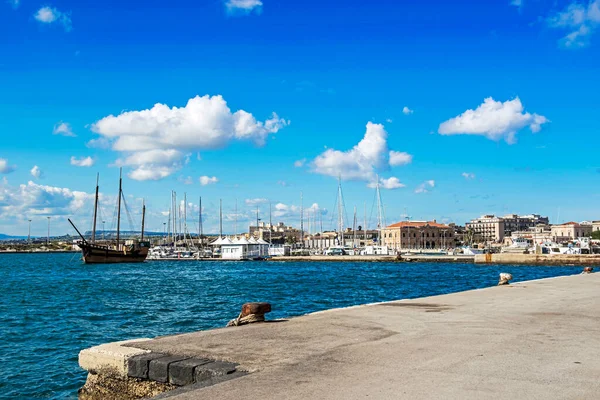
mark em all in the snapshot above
pixel 220 218
pixel 200 223
pixel 301 220
pixel 95 210
pixel 380 213
pixel 270 225
pixel 340 216
pixel 119 206
pixel 143 217
pixel 365 225
pixel 185 230
pixel 354 229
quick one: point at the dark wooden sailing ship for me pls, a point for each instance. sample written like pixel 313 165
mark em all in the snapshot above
pixel 128 251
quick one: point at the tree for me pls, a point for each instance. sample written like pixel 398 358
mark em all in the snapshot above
pixel 595 235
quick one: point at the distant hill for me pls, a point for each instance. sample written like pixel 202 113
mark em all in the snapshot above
pixel 8 237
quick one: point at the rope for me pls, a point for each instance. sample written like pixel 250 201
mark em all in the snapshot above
pixel 248 319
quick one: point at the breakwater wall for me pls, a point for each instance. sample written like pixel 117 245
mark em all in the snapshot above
pixel 379 258
pixel 538 259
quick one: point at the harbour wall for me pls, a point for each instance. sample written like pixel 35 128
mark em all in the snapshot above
pixel 379 258
pixel 538 259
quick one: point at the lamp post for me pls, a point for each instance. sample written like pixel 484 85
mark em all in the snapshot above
pixel 29 233
pixel 164 232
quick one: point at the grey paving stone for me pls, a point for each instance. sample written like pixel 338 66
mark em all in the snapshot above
pixel 213 369
pixel 137 366
pixel 159 368
pixel 182 372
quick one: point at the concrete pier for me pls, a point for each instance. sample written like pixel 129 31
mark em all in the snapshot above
pixel 380 258
pixel 538 259
pixel 529 340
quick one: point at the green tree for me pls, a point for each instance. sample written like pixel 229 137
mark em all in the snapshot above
pixel 596 235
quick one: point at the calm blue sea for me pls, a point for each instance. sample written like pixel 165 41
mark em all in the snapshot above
pixel 52 306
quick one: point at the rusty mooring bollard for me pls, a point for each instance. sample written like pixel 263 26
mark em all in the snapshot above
pixel 505 278
pixel 588 270
pixel 251 312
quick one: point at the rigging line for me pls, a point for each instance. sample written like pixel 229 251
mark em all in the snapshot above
pixel 333 214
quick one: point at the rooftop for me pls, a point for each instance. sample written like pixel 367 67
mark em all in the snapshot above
pixel 417 224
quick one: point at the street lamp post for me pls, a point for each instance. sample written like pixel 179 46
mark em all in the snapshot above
pixel 165 233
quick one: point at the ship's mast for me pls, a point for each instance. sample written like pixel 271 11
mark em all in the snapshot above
pixel 365 225
pixel 95 211
pixel 143 217
pixel 380 211
pixel 257 229
pixel 270 226
pixel 200 224
pixel 340 215
pixel 220 218
pixel 354 229
pixel 119 206
pixel 301 220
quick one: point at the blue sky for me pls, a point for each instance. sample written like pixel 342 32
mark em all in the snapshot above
pixel 405 74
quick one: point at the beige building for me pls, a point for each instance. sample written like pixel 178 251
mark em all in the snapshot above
pixel 595 226
pixel 488 227
pixel 569 231
pixel 418 235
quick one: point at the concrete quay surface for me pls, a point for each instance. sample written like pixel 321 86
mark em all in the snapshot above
pixel 530 340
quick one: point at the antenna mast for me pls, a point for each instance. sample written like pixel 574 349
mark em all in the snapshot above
pixel 95 211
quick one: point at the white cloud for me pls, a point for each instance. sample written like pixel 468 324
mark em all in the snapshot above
pixel 82 161
pixel 32 199
pixel 517 3
pixel 425 186
pixel 99 143
pixel 399 158
pixel 494 120
pixel 389 120
pixel 4 167
pixel 48 15
pixel 407 111
pixel 206 180
pixel 390 183
pixel 36 172
pixel 283 183
pixel 64 129
pixel 468 175
pixel 255 202
pixel 362 161
pixel 299 163
pixel 580 19
pixel 243 6
pixel 186 180
pixel 203 123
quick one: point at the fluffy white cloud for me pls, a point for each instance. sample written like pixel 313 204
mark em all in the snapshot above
pixel 64 129
pixel 407 111
pixel 390 183
pixel 425 186
pixel 399 158
pixel 243 6
pixel 31 199
pixel 36 172
pixel 363 160
pixel 293 211
pixel 207 180
pixel 580 19
pixel 468 175
pixel 82 162
pixel 255 202
pixel 49 15
pixel 203 123
pixel 4 167
pixel 494 120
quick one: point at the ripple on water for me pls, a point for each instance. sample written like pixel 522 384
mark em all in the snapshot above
pixel 52 306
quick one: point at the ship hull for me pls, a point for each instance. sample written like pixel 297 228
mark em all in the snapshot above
pixel 104 255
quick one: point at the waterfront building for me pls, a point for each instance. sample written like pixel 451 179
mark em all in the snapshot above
pixel 541 233
pixel 514 222
pixel 595 226
pixel 418 235
pixel 487 227
pixel 352 239
pixel 276 233
pixel 494 229
pixel 570 231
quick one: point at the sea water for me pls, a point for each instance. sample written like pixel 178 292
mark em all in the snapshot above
pixel 52 306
